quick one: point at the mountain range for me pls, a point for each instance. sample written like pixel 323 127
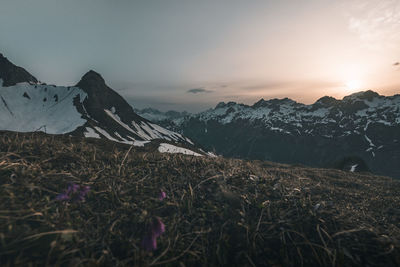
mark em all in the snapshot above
pixel 359 132
pixel 89 109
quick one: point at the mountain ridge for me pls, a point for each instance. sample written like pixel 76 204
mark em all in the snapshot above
pixel 364 125
pixel 12 74
pixel 324 100
pixel 88 109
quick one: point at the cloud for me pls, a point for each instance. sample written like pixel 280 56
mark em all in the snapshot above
pixel 198 90
pixel 267 86
pixel 377 23
pixel 281 85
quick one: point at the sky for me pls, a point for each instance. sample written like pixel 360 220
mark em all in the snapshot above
pixel 190 55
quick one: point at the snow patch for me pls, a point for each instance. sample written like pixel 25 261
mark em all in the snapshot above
pixel 123 141
pixel 211 154
pixel 140 143
pixel 118 119
pixel 353 168
pixel 366 126
pixel 105 134
pixel 91 133
pixel 369 141
pixel 48 107
pixel 168 148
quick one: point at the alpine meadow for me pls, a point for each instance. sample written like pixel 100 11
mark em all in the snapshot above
pixel 200 133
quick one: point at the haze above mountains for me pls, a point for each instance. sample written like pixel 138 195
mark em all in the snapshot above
pixel 155 53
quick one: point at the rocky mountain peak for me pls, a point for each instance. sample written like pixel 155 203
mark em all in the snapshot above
pixel 220 105
pixel 327 101
pixel 223 104
pixel 12 74
pixel 274 102
pixel 91 78
pixel 101 97
pixel 90 109
pixel 260 103
pixel 95 86
pixel 363 95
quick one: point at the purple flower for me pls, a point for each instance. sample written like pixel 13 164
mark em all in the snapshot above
pixel 85 189
pixel 162 195
pixel 72 188
pixel 62 197
pixel 149 243
pixel 82 193
pixel 74 192
pixel 157 227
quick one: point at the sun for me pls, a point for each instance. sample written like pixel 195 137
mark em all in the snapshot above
pixel 352 85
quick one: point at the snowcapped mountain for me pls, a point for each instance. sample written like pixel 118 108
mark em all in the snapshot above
pixel 364 124
pixel 90 109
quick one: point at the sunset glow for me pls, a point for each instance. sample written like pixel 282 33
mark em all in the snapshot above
pixel 156 54
pixel 353 85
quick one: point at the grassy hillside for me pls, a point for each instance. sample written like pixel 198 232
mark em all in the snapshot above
pixel 217 211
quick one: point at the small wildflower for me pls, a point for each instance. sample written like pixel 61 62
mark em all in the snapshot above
pixel 155 230
pixel 72 188
pixel 157 227
pixel 74 192
pixel 84 191
pixel 162 195
pixel 63 196
pixel 149 243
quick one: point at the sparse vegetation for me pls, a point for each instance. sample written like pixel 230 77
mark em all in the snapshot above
pixel 216 211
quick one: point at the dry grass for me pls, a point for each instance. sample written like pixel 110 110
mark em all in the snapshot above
pixel 218 211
